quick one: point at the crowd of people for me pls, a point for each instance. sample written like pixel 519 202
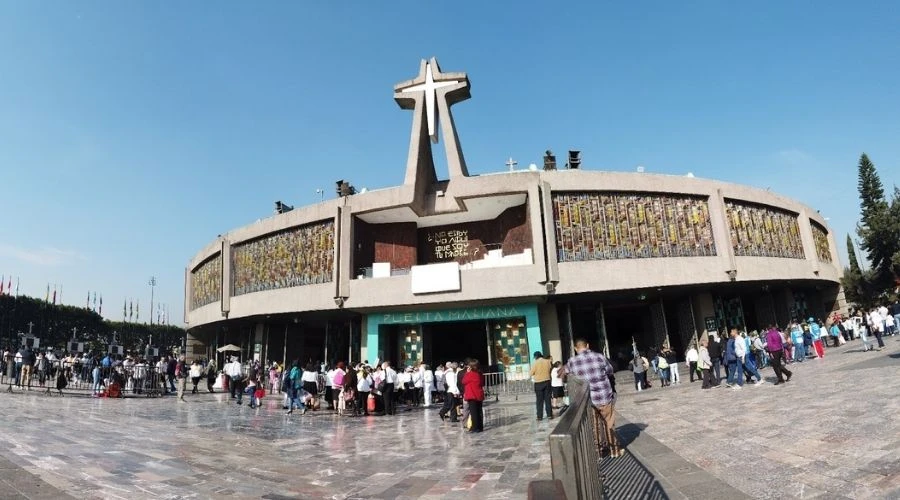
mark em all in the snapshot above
pixel 743 354
pixel 364 389
pixel 103 374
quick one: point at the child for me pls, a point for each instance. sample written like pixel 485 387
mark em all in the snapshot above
pixel 251 391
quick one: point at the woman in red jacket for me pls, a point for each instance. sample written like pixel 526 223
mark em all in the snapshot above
pixel 473 394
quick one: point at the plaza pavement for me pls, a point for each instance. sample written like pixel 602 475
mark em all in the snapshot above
pixel 829 433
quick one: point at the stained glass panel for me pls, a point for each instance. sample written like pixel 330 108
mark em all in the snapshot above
pixel 299 256
pixel 609 225
pixel 206 282
pixel 762 231
pixel 820 237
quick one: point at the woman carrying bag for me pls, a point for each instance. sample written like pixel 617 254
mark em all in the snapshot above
pixel 473 387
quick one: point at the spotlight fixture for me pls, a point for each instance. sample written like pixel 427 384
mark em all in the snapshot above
pixel 574 159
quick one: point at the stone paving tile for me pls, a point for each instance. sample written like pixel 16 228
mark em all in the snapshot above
pixel 831 432
pixel 210 447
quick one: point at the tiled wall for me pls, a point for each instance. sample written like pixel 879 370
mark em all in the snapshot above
pixel 206 282
pixel 299 256
pixel 762 231
pixel 609 225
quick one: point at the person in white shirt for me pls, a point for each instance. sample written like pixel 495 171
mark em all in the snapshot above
pixel 329 391
pixel 691 357
pixel 390 382
pixel 363 387
pixel 235 377
pixel 418 380
pixel 427 384
pixel 557 388
pixel 451 399
pixel 439 382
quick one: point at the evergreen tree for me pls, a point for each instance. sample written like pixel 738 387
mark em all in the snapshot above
pixel 877 228
pixel 851 254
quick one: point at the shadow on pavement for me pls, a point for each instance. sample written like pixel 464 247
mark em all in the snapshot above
pixel 625 477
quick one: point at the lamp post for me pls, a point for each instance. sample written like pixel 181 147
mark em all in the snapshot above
pixel 152 284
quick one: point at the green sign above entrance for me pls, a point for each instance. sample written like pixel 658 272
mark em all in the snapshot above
pixel 467 314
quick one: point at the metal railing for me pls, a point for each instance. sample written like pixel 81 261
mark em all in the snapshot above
pixel 59 377
pixel 497 383
pixel 574 454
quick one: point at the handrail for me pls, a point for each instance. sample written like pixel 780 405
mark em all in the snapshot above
pixel 574 455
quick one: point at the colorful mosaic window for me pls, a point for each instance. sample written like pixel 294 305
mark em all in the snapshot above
pixel 300 256
pixel 599 226
pixel 510 342
pixel 206 282
pixel 820 237
pixel 761 231
pixel 410 346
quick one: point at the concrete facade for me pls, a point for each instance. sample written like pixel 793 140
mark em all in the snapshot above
pixel 402 216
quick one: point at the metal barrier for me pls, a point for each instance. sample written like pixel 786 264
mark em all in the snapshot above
pixel 59 377
pixel 574 455
pixel 497 383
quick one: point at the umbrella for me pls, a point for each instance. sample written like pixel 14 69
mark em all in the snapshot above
pixel 229 347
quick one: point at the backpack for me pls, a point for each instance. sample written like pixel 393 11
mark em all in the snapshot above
pixel 662 363
pixel 338 379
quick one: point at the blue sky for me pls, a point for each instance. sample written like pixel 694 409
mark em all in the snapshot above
pixel 132 133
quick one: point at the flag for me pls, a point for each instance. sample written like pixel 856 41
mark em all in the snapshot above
pixel 17 286
pixel 125 310
pixel 87 304
pixel 100 311
pixel 47 295
pixel 130 310
pixel 54 294
pixel 137 311
pixel 95 301
pixel 2 280
pixel 9 286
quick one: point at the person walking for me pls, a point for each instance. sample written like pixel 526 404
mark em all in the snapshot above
pixel 816 332
pixel 691 357
pixel 715 354
pixel 390 381
pixel 450 401
pixel 704 362
pixel 540 375
pixel 181 375
pixel 775 348
pixel 473 383
pixel 595 370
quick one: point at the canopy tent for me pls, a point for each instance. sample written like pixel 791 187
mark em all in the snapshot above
pixel 229 347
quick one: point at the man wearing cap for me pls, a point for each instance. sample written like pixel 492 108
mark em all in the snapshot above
pixel 540 375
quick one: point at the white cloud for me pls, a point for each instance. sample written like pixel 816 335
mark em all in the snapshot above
pixel 44 256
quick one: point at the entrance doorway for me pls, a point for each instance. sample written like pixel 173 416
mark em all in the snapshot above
pixel 456 341
pixel 624 323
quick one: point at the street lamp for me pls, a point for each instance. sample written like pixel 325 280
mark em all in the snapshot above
pixel 152 284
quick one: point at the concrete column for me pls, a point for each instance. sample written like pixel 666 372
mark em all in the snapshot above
pixel 809 244
pixel 343 259
pixel 187 294
pixel 550 331
pixel 724 250
pixel 549 232
pixel 538 244
pixel 258 333
pixel 226 276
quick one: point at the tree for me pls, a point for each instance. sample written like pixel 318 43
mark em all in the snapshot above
pixel 851 254
pixel 857 284
pixel 878 227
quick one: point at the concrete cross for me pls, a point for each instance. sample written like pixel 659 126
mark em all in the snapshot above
pixel 429 88
pixel 511 164
pixel 30 326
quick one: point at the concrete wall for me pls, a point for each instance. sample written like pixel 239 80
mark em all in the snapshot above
pixel 521 282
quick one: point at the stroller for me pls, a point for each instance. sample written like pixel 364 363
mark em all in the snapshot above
pixel 117 381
